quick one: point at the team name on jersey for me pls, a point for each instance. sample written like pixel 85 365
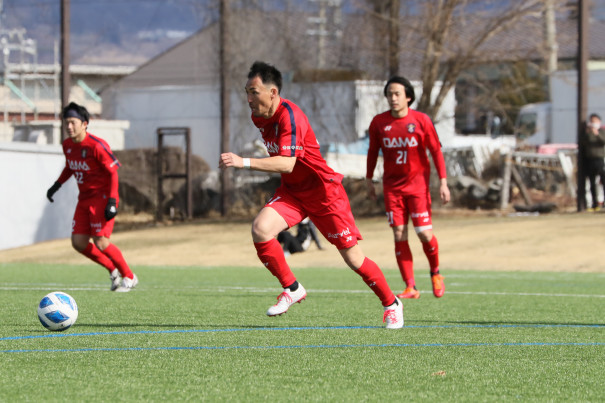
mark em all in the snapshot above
pixel 272 147
pixel 399 142
pixel 78 165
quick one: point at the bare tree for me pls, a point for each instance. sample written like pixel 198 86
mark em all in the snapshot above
pixel 461 34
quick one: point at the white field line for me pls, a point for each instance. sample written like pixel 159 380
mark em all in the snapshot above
pixel 92 287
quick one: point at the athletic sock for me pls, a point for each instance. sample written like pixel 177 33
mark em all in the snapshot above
pixel 405 261
pixel 431 250
pixel 116 257
pixel 93 253
pixel 374 278
pixel 272 256
pixel 293 287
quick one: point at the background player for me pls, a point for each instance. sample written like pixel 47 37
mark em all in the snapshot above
pixel 90 160
pixel 592 141
pixel 404 136
pixel 308 188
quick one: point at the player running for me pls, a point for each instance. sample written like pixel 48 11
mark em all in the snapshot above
pixel 90 160
pixel 308 188
pixel 404 135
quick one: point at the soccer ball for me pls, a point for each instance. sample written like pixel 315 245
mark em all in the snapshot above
pixel 57 311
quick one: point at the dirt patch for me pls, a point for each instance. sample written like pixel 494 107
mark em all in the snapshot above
pixel 468 240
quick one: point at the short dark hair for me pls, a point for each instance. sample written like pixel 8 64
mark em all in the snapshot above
pixel 409 89
pixel 73 110
pixel 594 115
pixel 267 73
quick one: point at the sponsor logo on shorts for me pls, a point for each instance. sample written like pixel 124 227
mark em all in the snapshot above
pixel 96 226
pixel 420 215
pixel 341 234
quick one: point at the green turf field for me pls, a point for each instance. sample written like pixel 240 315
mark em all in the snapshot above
pixel 201 334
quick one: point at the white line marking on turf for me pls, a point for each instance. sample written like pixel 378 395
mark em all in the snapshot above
pixel 88 287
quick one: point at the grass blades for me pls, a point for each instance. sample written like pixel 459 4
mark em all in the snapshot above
pixel 201 334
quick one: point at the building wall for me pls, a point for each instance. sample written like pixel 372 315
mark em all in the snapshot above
pixel 28 217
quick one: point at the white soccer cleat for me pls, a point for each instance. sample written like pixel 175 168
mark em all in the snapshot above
pixel 393 315
pixel 128 283
pixel 286 299
pixel 115 278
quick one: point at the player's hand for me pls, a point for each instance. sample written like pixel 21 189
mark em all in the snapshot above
pixel 230 160
pixel 52 190
pixel 111 210
pixel 371 189
pixel 444 192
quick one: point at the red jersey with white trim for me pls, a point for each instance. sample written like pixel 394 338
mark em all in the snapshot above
pixel 404 143
pixel 93 165
pixel 288 133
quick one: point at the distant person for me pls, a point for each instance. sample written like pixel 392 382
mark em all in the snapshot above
pixel 90 161
pixel 592 145
pixel 405 135
pixel 305 234
pixel 309 188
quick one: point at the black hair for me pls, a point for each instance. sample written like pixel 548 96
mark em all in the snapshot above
pixel 409 89
pixel 594 115
pixel 267 73
pixel 76 111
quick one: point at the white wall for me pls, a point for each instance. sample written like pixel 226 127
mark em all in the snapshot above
pixel 147 109
pixel 26 216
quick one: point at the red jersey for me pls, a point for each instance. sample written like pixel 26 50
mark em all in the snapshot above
pixel 93 165
pixel 404 143
pixel 288 133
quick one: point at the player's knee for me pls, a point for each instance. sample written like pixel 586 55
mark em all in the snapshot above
pixel 101 243
pixel 79 244
pixel 425 236
pixel 261 231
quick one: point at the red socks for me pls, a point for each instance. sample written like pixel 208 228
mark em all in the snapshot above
pixel 94 254
pixel 431 250
pixel 374 278
pixel 403 254
pixel 272 256
pixel 116 257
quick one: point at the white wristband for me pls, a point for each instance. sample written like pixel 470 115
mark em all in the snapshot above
pixel 246 163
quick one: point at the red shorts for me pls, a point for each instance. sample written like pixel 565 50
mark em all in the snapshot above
pixel 89 219
pixel 400 208
pixel 335 222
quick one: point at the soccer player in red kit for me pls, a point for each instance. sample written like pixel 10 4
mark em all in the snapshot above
pixel 90 161
pixel 309 187
pixel 404 136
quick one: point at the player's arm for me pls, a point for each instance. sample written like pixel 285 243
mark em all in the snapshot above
pixel 111 164
pixel 434 146
pixel 276 164
pixel 65 175
pixel 371 161
pixel 111 209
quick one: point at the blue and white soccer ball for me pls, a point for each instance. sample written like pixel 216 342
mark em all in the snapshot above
pixel 57 311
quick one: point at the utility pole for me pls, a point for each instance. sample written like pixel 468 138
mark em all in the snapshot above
pixel 224 52
pixel 65 77
pixel 550 29
pixel 582 97
pixel 393 38
pixel 328 24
